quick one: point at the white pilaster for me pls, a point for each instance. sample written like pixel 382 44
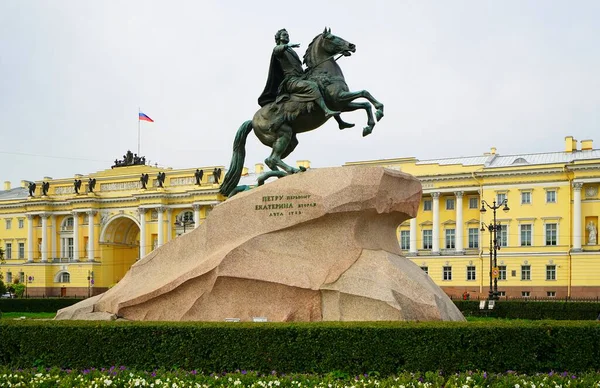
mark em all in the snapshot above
pixel 577 216
pixel 196 216
pixel 44 247
pixel 30 238
pixel 142 213
pixel 459 222
pixel 161 225
pixel 435 247
pixel 91 237
pixel 413 236
pixel 75 236
pixel 54 250
pixel 169 224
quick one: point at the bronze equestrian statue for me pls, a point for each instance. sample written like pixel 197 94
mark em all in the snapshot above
pixel 291 104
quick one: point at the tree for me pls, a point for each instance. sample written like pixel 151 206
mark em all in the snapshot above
pixel 2 287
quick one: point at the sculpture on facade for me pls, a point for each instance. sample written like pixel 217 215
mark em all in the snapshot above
pixel 130 159
pixel 45 187
pixel 592 233
pixel 144 180
pixel 160 178
pixel 217 174
pixel 290 105
pixel 91 185
pixel 31 188
pixel 77 185
pixel 198 175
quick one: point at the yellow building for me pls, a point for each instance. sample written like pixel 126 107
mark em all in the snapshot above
pixel 548 239
pixel 79 236
pixel 68 243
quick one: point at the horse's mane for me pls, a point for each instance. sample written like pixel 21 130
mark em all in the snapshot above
pixel 308 56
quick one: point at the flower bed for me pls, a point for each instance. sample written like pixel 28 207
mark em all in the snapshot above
pixel 124 377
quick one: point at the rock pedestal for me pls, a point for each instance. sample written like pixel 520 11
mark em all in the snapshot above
pixel 315 246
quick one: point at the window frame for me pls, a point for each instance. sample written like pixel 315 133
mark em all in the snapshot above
pixel 528 195
pixel 554 196
pixel 550 272
pixel 502 272
pixel 474 200
pixel 529 236
pixel 471 273
pixel 551 242
pixel 450 204
pixel 525 272
pixel 447 273
pixel 8 250
pixel 427 205
pixel 473 244
pixel 405 240
pixel 450 238
pixel 428 238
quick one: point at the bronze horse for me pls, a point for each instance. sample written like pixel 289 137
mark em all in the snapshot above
pixel 301 116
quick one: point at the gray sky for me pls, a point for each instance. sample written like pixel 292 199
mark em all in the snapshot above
pixel 456 78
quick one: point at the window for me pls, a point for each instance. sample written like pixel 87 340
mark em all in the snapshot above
pixel 471 272
pixel 450 204
pixel 21 223
pixel 187 217
pixel 404 239
pixel 551 196
pixel 551 272
pixel 525 272
pixel 551 294
pixel 427 205
pixel 501 272
pixel 64 277
pixel 525 294
pixel 502 235
pixel 22 277
pixel 8 223
pixel 473 203
pixel 502 293
pixel 8 251
pixel 21 250
pixel 526 198
pixel 473 237
pixel 500 198
pixel 425 269
pixel 450 238
pixel 526 235
pixel 551 234
pixel 427 239
pixel 447 273
pixel 8 277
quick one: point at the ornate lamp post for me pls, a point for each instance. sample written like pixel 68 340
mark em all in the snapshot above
pixel 184 222
pixel 493 228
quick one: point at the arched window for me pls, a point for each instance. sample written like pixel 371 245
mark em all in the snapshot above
pixel 187 217
pixel 65 277
pixel 67 224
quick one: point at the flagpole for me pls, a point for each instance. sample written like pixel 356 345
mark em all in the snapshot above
pixel 139 111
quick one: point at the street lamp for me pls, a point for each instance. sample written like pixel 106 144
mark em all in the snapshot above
pixel 493 228
pixel 184 222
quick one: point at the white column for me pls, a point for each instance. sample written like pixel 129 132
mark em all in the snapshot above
pixel 54 249
pixel 91 237
pixel 413 236
pixel 196 216
pixel 30 238
pixel 142 213
pixel 459 222
pixel 436 223
pixel 75 236
pixel 44 247
pixel 169 224
pixel 577 216
pixel 161 225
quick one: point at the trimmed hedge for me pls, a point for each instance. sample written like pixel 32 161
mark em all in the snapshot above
pixel 384 347
pixel 46 305
pixel 532 310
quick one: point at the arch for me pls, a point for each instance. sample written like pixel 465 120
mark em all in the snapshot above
pixel 62 276
pixel 103 234
pixel 120 248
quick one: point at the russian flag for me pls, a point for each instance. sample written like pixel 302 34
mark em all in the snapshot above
pixel 145 117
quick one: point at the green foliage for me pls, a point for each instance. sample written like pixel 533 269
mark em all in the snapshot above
pixel 2 287
pixel 535 310
pixel 346 348
pixel 19 290
pixel 31 305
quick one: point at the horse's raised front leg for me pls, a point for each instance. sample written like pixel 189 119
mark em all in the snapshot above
pixel 352 106
pixel 351 96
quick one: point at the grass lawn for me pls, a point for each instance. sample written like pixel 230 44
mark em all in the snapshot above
pixel 14 315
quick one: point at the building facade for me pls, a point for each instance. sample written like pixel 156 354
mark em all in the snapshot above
pixel 79 236
pixel 548 240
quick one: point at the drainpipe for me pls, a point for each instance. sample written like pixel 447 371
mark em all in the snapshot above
pixel 570 258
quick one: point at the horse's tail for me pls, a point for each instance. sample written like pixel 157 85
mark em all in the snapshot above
pixel 232 178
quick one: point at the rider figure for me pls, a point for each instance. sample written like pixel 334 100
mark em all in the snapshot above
pixel 286 76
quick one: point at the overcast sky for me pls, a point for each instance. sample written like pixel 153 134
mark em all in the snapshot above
pixel 456 78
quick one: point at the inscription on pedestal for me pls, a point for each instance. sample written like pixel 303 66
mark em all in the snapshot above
pixel 284 205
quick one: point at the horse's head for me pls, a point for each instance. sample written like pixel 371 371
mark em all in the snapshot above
pixel 326 45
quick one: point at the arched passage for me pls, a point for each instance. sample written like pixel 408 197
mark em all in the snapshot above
pixel 119 242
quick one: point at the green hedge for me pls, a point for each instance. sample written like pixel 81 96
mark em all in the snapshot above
pixel 532 310
pixel 384 347
pixel 46 305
